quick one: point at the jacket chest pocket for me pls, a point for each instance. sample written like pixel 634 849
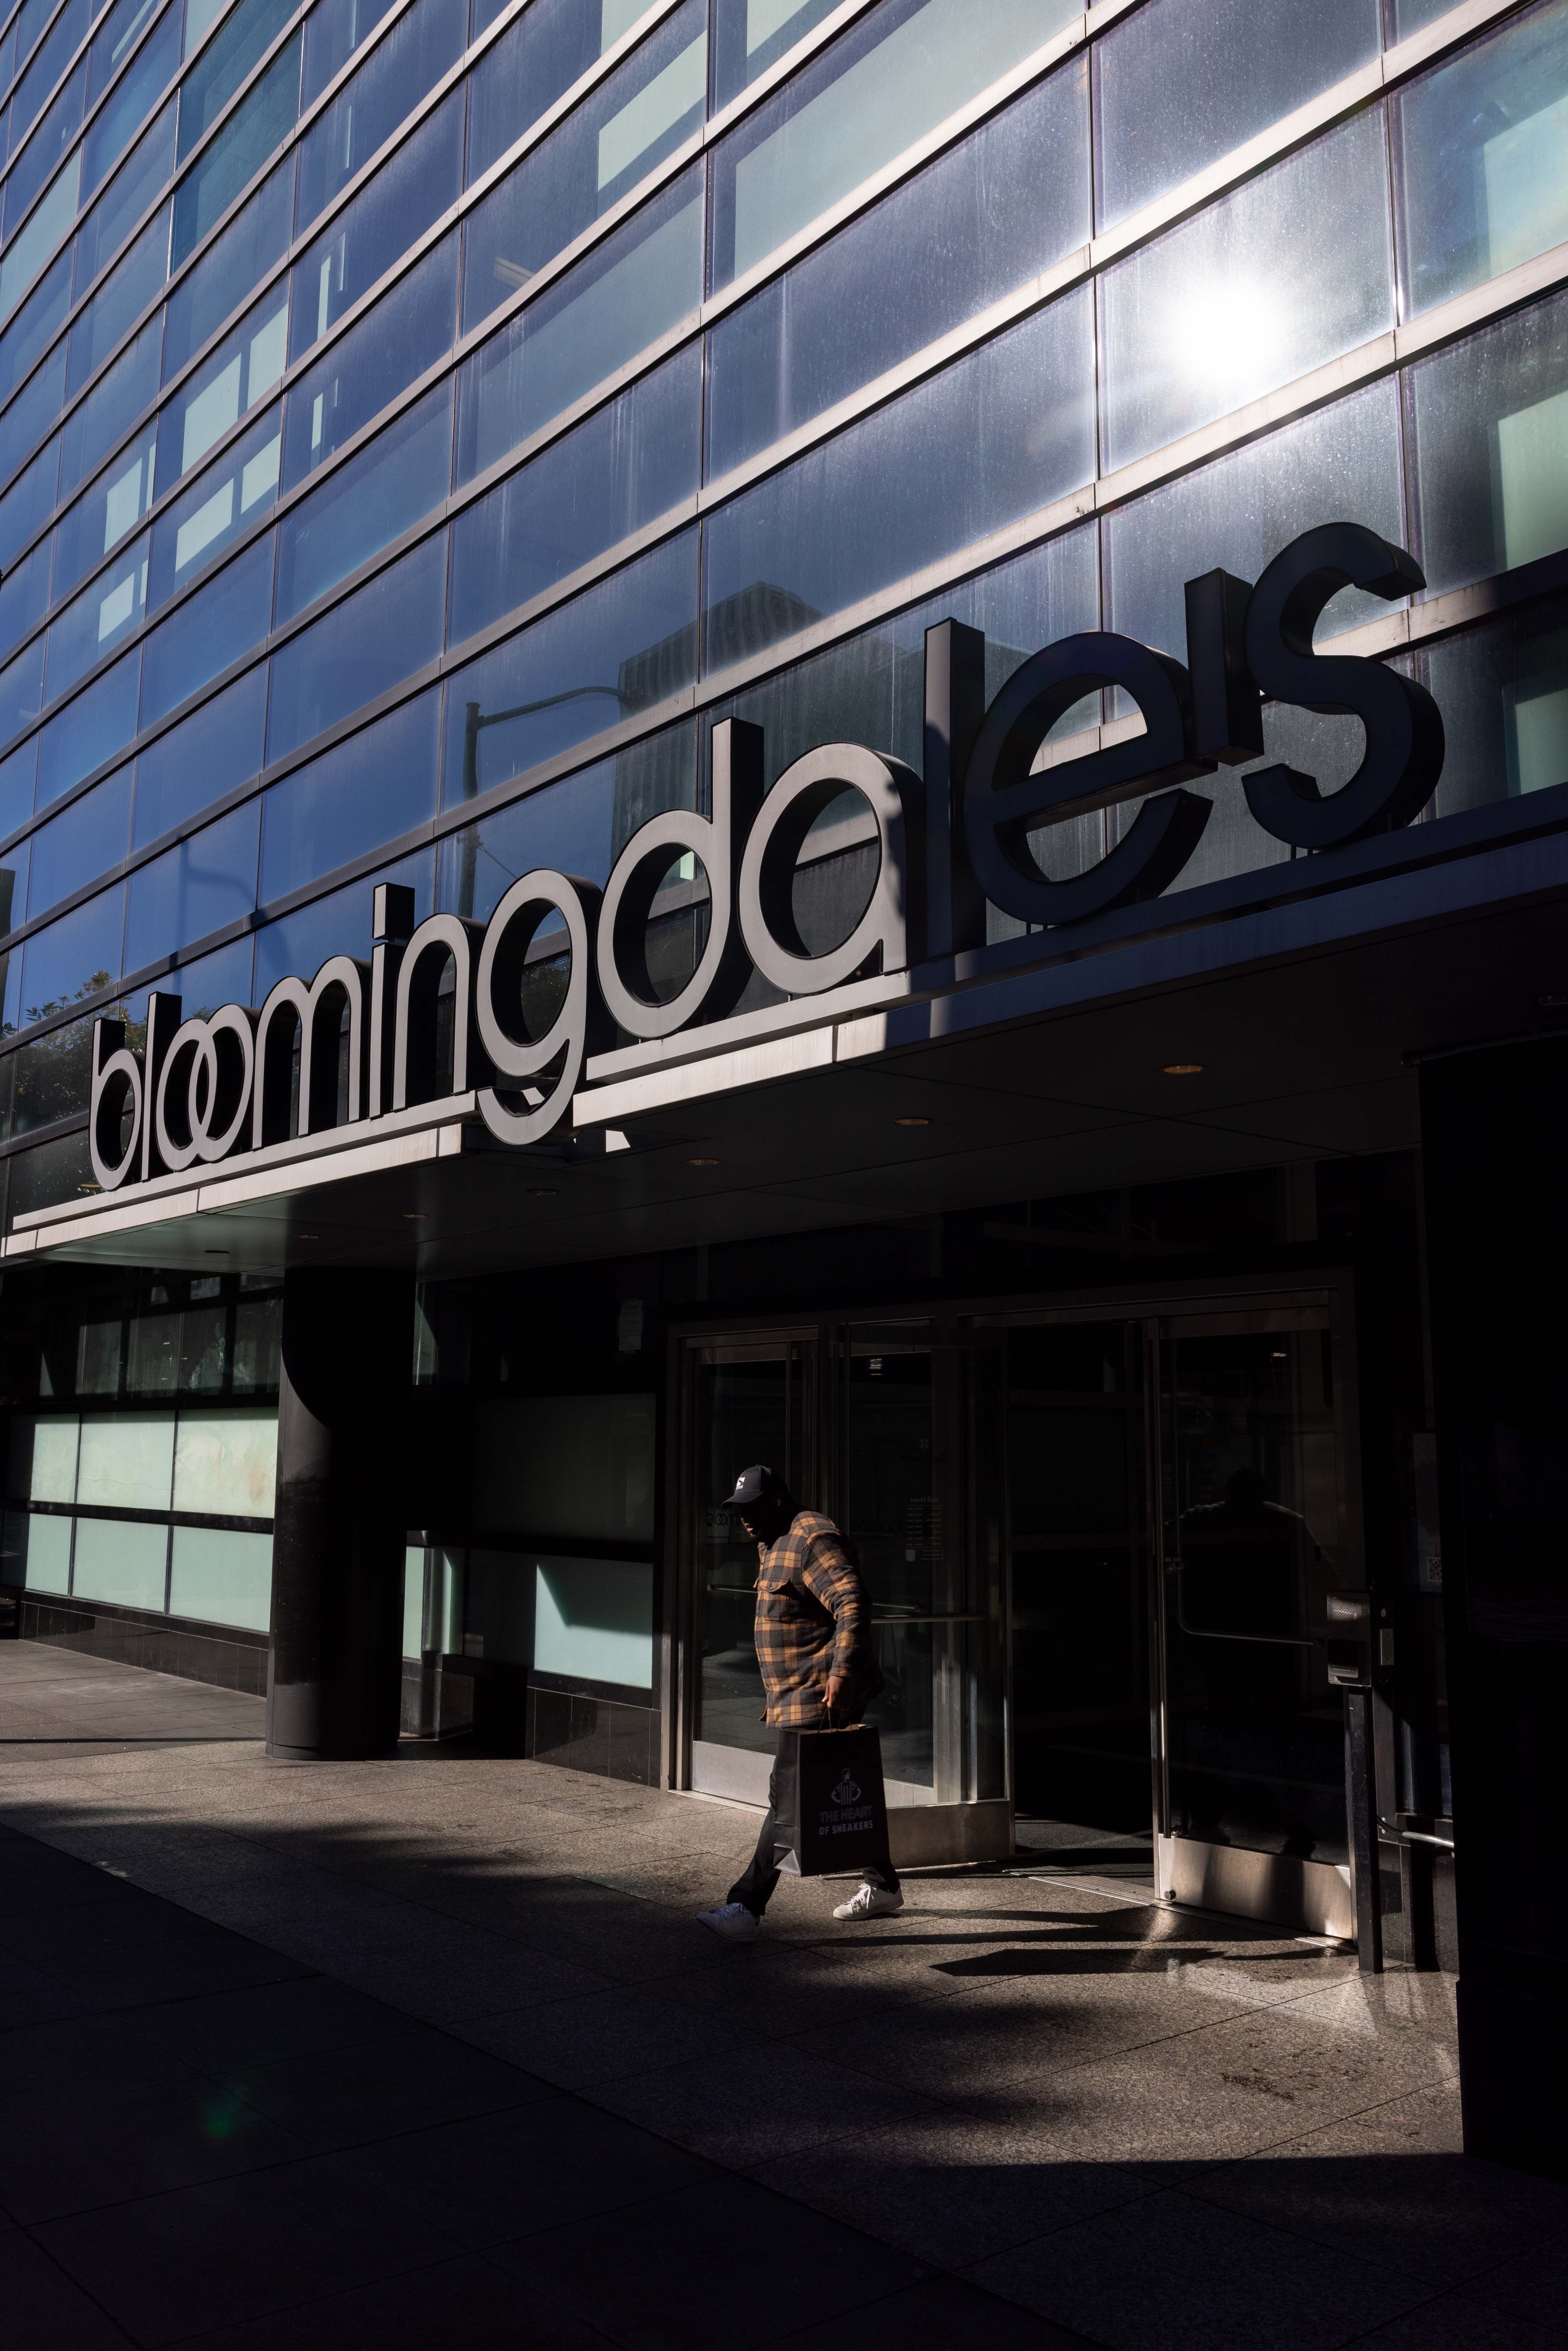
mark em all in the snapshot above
pixel 778 1601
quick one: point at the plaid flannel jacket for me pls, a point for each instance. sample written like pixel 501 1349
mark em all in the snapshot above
pixel 813 1619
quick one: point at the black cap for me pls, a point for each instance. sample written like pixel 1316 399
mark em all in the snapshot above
pixel 755 1485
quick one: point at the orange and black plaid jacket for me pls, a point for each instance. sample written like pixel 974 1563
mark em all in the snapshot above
pixel 813 1619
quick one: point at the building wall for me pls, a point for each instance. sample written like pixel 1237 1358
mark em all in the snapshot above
pixel 421 425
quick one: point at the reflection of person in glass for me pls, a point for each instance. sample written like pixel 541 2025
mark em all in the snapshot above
pixel 813 1644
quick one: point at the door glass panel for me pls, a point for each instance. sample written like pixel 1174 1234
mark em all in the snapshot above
pixel 896 1515
pixel 749 1408
pixel 1254 1533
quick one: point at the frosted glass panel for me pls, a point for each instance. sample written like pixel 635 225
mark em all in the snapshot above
pixel 1540 723
pixel 44 1459
pixel 1533 479
pixel 594 1621
pixel 127 1463
pixel 566 1465
pixel 220 1578
pixel 120 1561
pixel 413 1601
pixel 37 1553
pixel 225 1464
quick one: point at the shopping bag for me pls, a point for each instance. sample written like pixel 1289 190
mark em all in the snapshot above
pixel 830 1810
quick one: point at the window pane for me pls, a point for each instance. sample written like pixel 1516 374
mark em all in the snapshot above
pixel 379 635
pixel 24 258
pixel 1289 272
pixel 196 762
pixel 333 34
pixel 38 1552
pixel 99 520
pixel 884 500
pixel 749 36
pixel 122 1560
pixel 211 980
pixel 233 493
pixel 113 41
pixel 133 188
pixel 126 1461
pixel 884 84
pixel 339 924
pixel 27 503
pixel 89 731
pixel 54 1077
pixel 379 784
pixel 411 60
pixel 230 615
pixel 636 286
pixel 73 958
pixel 244 369
pixel 46 149
pixel 157 62
pixel 101 616
pixel 265 118
pixel 620 648
pixel 21 689
pixel 983 219
pixel 407 194
pixel 405 472
pixel 535 62
pixel 1491 448
pixel 125 293
pixel 90 836
pixel 610 143
pixel 30 415
pixel 206 881
pixel 408 331
pixel 577 825
pixel 634 460
pixel 220 1578
pixel 256 237
pixel 114 404
pixel 1503 694
pixel 13 886
pixel 44 1459
pixel 225 63
pixel 46 70
pixel 25 596
pixel 225 1464
pixel 1480 180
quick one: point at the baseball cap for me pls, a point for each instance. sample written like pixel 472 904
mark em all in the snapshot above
pixel 754 1485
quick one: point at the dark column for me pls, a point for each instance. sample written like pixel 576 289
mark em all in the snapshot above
pixel 1495 1145
pixel 334 1688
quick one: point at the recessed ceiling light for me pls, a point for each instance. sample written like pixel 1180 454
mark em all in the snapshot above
pixel 912 1121
pixel 1183 1068
pixel 702 1162
pixel 541 1191
pixel 413 1216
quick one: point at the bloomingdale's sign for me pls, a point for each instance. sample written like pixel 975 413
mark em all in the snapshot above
pixel 222 1087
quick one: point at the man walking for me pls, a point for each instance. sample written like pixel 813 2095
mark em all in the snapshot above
pixel 813 1644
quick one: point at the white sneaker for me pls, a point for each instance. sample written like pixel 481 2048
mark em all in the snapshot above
pixel 733 1921
pixel 871 1902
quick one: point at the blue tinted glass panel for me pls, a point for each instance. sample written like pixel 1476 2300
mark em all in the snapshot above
pixel 26 336
pixel 620 648
pixel 381 782
pixel 885 499
pixel 137 185
pixel 226 500
pixel 224 64
pixel 244 369
pixel 90 836
pixel 156 62
pixel 983 219
pixel 24 597
pixel 366 504
pixel 221 977
pixel 406 65
pixel 89 731
pixel 610 143
pixel 337 925
pixel 21 689
pixel 100 519
pixel 207 882
pixel 263 120
pixel 409 192
pixel 33 244
pixel 101 617
pixel 535 62
pixel 46 70
pixel 641 281
pixel 218 747
pixel 379 635
pixel 631 461
pixel 409 330
pixel 256 237
pixel 13 885
pixel 884 83
pixel 134 283
pixel 115 37
pixel 333 34
pixel 1502 691
pixel 28 502
pixel 32 413
pixel 17 774
pixel 219 625
pixel 750 35
pixel 110 409
pixel 45 151
pixel 1480 172
pixel 73 958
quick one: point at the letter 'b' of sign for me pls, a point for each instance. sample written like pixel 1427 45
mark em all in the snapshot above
pixel 1004 803
pixel 1404 755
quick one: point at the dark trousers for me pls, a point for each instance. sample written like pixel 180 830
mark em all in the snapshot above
pixel 755 1886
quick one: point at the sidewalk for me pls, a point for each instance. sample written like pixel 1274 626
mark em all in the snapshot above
pixel 432 2050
